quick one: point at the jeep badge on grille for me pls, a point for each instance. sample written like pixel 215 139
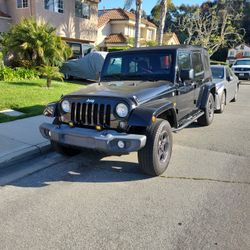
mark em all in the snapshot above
pixel 90 100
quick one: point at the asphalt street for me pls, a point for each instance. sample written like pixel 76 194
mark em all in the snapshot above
pixel 202 201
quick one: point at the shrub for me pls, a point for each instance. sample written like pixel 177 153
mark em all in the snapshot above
pixel 9 74
pixel 23 73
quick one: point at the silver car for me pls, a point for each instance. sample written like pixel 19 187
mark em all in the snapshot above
pixel 241 68
pixel 227 86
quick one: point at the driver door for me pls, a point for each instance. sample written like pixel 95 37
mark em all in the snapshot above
pixel 185 89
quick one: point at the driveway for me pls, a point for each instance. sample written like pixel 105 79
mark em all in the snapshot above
pixel 201 202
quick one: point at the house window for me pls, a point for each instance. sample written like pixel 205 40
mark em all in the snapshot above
pixel 22 4
pixel 150 35
pixel 82 9
pixel 54 5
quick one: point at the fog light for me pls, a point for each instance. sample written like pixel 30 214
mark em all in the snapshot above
pixel 121 144
pixel 49 133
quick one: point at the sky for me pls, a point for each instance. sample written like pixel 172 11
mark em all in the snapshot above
pixel 147 5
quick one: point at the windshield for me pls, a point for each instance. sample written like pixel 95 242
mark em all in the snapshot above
pixel 242 62
pixel 140 65
pixel 217 72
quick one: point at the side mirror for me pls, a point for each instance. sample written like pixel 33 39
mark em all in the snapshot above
pixel 187 74
pixel 229 78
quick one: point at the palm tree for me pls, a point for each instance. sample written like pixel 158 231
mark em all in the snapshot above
pixel 50 72
pixel 36 42
pixel 164 7
pixel 138 14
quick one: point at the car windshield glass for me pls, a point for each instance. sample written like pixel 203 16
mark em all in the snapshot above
pixel 142 65
pixel 243 62
pixel 217 72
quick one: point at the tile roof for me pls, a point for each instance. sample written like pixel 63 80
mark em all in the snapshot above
pixel 2 14
pixel 119 14
pixel 116 38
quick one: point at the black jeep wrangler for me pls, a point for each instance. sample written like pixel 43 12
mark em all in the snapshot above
pixel 143 96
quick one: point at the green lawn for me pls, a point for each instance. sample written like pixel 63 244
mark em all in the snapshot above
pixel 30 97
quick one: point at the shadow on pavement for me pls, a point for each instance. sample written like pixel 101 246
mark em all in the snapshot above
pixel 84 169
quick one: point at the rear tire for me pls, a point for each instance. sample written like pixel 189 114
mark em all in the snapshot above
pixel 208 116
pixel 155 156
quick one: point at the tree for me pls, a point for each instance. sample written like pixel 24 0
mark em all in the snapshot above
pixel 212 28
pixel 38 43
pixel 164 6
pixel 50 73
pixel 161 17
pixel 138 14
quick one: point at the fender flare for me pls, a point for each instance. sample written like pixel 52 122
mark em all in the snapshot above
pixel 142 116
pixel 209 88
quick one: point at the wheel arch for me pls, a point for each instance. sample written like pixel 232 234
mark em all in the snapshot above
pixel 144 116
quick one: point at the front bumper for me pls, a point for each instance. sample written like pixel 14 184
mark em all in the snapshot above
pixel 105 141
pixel 242 74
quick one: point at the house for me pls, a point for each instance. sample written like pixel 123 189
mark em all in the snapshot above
pixel 241 51
pixel 116 28
pixel 75 20
pixel 170 39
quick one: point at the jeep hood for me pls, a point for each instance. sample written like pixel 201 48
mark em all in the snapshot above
pixel 142 91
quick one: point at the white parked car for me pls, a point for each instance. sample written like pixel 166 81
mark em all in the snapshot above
pixel 227 86
pixel 241 68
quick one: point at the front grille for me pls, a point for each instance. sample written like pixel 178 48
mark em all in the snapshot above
pixel 242 69
pixel 90 114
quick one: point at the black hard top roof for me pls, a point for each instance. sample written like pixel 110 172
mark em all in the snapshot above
pixel 168 47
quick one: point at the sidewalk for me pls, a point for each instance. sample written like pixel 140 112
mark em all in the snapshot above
pixel 21 139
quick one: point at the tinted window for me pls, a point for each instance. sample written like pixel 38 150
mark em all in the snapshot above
pixel 140 65
pixel 197 64
pixel 217 72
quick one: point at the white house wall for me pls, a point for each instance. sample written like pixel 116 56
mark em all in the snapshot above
pixel 4 24
pixel 103 32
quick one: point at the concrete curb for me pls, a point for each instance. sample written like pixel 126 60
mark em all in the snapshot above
pixel 24 154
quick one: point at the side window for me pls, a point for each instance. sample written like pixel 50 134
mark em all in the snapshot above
pixel 197 65
pixel 184 61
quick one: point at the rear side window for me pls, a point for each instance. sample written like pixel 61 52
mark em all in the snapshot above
pixel 197 64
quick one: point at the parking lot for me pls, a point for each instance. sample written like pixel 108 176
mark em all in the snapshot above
pixel 201 202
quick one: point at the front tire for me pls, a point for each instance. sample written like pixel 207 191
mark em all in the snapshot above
pixel 207 118
pixel 155 156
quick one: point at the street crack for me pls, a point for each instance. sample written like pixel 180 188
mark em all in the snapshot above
pixel 204 179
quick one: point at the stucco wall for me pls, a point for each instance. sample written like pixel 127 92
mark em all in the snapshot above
pixel 4 24
pixel 3 6
pixel 67 24
pixel 118 28
pixel 103 32
pixel 15 13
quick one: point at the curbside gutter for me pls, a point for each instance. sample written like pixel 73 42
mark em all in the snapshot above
pixel 24 154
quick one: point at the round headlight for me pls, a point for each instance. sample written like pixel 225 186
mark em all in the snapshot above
pixel 65 106
pixel 122 110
